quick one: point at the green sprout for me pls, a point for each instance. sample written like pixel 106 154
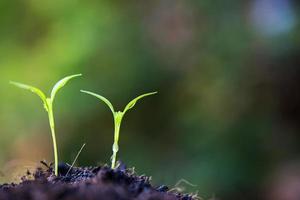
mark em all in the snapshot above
pixel 48 105
pixel 118 116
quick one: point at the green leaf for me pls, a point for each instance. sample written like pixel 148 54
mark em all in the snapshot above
pixel 61 84
pixel 106 101
pixel 32 89
pixel 132 103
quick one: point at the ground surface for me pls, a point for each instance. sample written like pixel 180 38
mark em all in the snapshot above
pixel 89 183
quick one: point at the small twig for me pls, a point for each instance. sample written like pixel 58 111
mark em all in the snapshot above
pixel 75 159
pixel 186 182
pixel 43 162
pixel 178 186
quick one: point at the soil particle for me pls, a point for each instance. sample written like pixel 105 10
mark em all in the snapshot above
pixel 87 183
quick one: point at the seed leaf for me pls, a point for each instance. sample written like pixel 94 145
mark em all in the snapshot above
pixel 106 101
pixel 61 84
pixel 132 103
pixel 32 89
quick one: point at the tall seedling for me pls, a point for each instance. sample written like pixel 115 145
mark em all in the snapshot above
pixel 48 105
pixel 118 116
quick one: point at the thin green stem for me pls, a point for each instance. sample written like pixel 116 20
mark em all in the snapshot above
pixel 115 146
pixel 52 127
pixel 113 160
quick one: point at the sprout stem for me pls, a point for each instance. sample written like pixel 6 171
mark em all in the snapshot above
pixel 52 127
pixel 115 146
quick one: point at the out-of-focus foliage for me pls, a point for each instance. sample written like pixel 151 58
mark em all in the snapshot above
pixel 227 114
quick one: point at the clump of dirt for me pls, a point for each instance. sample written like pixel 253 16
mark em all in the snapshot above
pixel 88 183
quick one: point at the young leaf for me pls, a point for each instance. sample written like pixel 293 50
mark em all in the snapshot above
pixel 32 89
pixel 106 101
pixel 132 103
pixel 61 84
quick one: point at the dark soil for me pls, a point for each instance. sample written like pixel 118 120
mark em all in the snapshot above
pixel 87 183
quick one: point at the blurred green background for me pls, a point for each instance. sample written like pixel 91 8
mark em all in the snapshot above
pixel 228 110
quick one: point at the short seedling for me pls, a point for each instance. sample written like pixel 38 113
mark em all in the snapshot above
pixel 48 105
pixel 118 116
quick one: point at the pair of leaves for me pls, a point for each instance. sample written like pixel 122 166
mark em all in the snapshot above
pixel 130 105
pixel 54 91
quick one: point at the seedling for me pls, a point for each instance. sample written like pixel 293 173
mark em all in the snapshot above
pixel 48 105
pixel 118 116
